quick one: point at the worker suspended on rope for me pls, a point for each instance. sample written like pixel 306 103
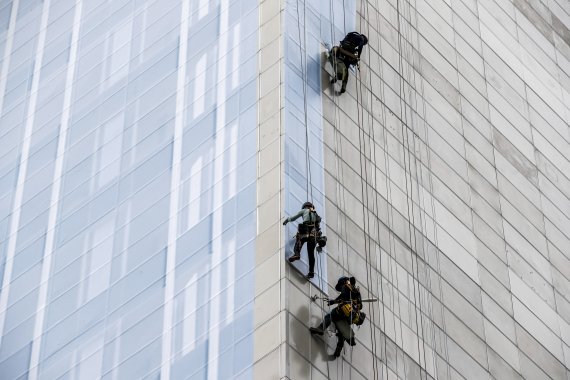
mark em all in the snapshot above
pixel 346 55
pixel 347 312
pixel 308 231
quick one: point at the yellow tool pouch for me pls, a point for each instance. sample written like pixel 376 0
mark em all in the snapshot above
pixel 346 309
pixel 352 314
pixel 355 317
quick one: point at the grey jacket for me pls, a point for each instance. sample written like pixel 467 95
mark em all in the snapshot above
pixel 306 214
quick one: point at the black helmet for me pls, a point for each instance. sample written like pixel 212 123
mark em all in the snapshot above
pixel 308 205
pixel 342 280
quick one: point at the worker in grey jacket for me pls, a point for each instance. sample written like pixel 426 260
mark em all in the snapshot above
pixel 308 231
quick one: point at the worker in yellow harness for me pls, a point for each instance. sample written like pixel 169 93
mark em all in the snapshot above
pixel 309 231
pixel 347 312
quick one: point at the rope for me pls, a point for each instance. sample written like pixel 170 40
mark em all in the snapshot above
pixel 436 241
pixel 366 199
pixel 359 94
pixel 426 270
pixel 375 203
pixel 429 305
pixel 338 148
pixel 365 204
pixel 390 275
pixel 409 197
pixel 424 240
pixel 379 282
pixel 302 50
pixel 303 54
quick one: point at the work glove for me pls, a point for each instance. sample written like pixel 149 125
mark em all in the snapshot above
pixel 331 302
pixel 286 221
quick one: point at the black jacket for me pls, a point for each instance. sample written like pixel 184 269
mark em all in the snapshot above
pixel 349 293
pixel 354 43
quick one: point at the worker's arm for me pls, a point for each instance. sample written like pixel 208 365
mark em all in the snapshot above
pixel 294 217
pixel 336 300
pixel 347 53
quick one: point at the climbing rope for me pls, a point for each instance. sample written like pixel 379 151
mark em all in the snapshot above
pixel 365 203
pixel 371 134
pixel 373 143
pixel 406 131
pixel 303 57
pixel 389 271
pixel 338 166
pixel 425 266
pixel 379 282
pixel 365 14
pixel 437 253
pixel 338 149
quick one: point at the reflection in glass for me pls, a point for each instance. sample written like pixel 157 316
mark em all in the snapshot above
pixel 104 313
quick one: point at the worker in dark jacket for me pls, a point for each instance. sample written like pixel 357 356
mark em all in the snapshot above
pixel 346 55
pixel 309 231
pixel 347 312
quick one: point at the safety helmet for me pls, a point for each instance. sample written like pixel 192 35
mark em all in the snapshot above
pixel 308 205
pixel 342 280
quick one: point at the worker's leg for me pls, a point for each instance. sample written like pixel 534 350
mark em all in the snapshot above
pixel 339 344
pixel 343 327
pixel 299 241
pixel 311 244
pixel 334 63
pixel 340 69
pixel 323 326
pixel 344 76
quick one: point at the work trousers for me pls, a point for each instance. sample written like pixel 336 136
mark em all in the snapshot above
pixel 342 73
pixel 311 241
pixel 344 331
pixel 334 316
pixel 340 68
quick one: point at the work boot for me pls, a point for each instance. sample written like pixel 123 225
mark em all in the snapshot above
pixel 316 330
pixel 342 90
pixel 310 275
pixel 294 258
pixel 338 351
pixel 352 342
pixel 333 80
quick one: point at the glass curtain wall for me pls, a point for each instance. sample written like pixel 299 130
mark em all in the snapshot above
pixel 127 188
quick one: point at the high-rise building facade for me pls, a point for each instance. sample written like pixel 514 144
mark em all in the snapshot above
pixel 128 188
pixel 151 149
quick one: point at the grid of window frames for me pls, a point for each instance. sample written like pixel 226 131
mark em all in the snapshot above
pixel 127 188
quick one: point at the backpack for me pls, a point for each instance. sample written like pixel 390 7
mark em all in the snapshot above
pixel 353 41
